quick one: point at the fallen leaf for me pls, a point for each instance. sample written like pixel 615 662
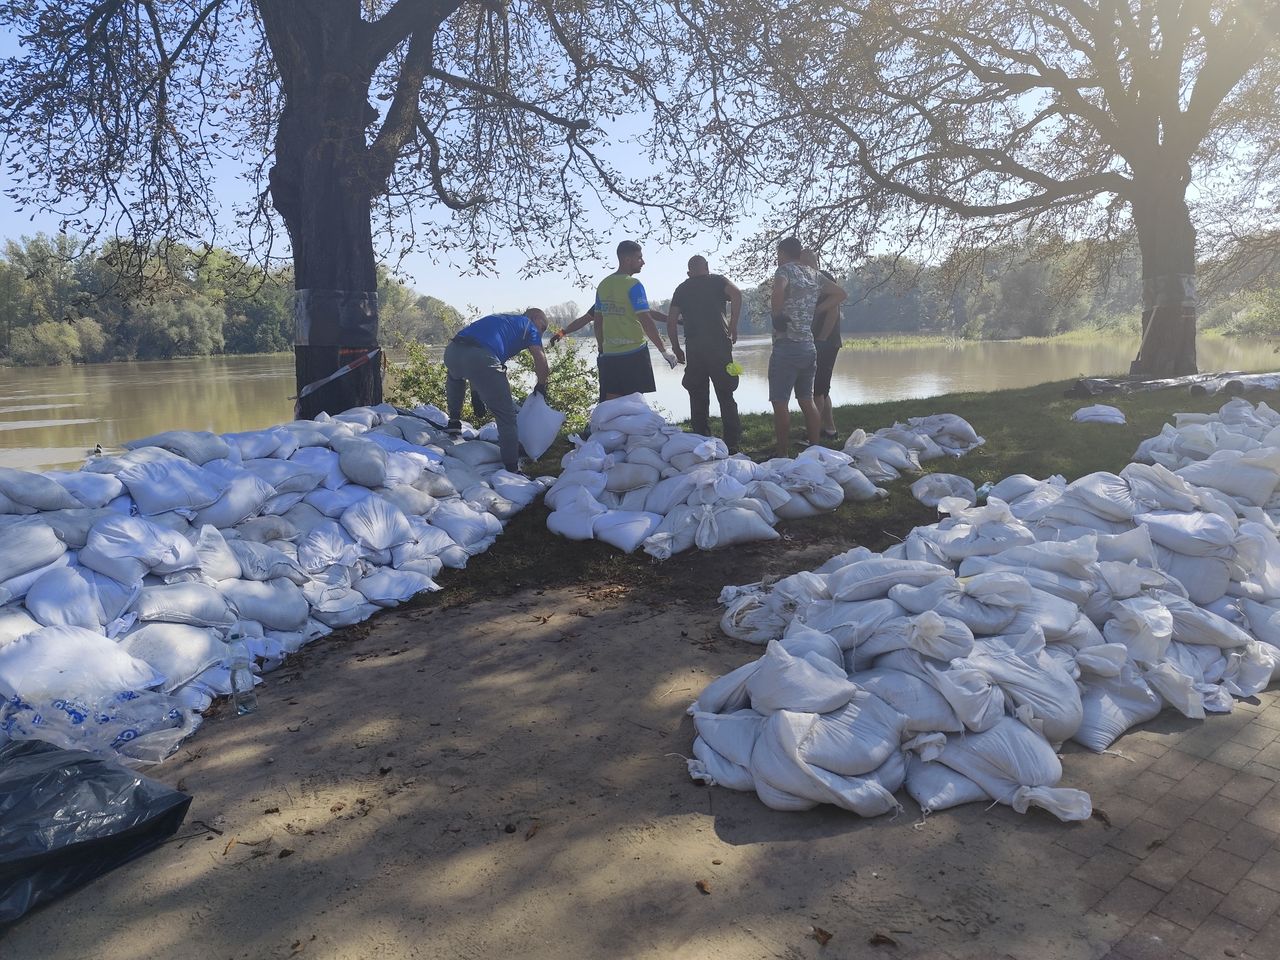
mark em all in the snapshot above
pixel 822 936
pixel 337 807
pixel 882 939
pixel 284 852
pixel 532 831
pixel 271 810
pixel 703 887
pixel 230 843
pixel 1101 815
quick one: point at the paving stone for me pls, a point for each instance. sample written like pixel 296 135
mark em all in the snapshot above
pixel 1262 770
pixel 1270 755
pixel 1107 868
pixel 1166 866
pixel 1120 808
pixel 1234 754
pixel 1246 788
pixel 1267 870
pixel 1203 782
pixel 1269 717
pixel 1174 764
pixel 1220 870
pixel 1188 903
pixel 1148 785
pixel 1139 838
pixel 1130 900
pixel 1154 938
pixel 1266 942
pixel 1222 812
pixel 1153 745
pixel 1250 904
pixel 1215 936
pixel 1256 735
pixel 1086 839
pixel 1266 813
pixel 1248 840
pixel 1196 837
pixel 1171 810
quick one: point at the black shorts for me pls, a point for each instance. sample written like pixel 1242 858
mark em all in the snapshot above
pixel 826 365
pixel 624 373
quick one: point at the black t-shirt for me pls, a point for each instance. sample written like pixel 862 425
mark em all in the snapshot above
pixel 834 339
pixel 701 301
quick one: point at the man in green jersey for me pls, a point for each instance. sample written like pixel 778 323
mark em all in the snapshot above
pixel 627 325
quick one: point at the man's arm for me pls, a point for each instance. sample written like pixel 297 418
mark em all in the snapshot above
pixel 777 300
pixel 650 326
pixel 541 369
pixel 581 322
pixel 735 309
pixel 829 300
pixel 673 332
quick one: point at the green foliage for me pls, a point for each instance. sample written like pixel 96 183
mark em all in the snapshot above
pixel 572 388
pixel 47 343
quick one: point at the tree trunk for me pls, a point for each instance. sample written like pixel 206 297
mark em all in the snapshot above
pixel 1167 241
pixel 320 187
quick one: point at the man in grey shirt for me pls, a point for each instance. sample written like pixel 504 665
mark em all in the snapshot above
pixel 798 293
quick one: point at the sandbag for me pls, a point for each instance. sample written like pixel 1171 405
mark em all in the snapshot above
pixel 538 425
pixel 35 492
pixel 127 548
pixel 178 651
pixel 198 604
pixel 64 661
pixel 28 546
pixel 625 529
pixel 198 446
pixel 277 604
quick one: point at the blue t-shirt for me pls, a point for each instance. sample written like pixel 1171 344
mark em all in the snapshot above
pixel 506 334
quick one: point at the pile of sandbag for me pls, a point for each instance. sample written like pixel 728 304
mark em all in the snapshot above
pixel 640 482
pixel 957 661
pixel 121 583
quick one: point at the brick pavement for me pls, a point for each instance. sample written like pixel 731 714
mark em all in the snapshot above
pixel 1181 854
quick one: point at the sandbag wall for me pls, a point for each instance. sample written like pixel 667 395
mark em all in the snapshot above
pixel 956 662
pixel 121 582
pixel 641 482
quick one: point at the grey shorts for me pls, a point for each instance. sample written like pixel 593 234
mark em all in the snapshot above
pixel 791 367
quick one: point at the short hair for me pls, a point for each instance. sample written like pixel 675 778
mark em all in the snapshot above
pixel 697 262
pixel 791 247
pixel 627 247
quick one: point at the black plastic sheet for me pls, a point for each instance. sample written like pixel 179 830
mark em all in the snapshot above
pixel 67 817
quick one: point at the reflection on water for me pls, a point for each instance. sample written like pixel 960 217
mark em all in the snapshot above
pixel 112 403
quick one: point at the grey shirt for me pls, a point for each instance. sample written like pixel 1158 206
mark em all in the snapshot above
pixel 800 299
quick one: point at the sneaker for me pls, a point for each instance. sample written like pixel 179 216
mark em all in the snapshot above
pixel 454 428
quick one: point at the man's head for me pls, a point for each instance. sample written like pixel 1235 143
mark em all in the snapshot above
pixel 630 259
pixel 698 267
pixel 809 259
pixel 790 249
pixel 538 317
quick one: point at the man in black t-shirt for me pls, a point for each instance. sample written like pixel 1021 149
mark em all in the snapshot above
pixel 699 302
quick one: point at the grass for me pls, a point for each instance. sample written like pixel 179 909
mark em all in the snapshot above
pixel 1027 431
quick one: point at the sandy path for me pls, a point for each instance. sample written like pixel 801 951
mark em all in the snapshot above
pixel 501 780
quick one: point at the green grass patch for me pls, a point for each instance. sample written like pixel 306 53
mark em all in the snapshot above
pixel 1027 431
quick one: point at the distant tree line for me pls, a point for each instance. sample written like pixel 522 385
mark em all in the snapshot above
pixel 63 302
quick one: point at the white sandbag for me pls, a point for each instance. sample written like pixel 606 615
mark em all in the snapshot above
pixel 1194 624
pixel 178 651
pixel 409 500
pixel 469 528
pixel 622 477
pixel 925 709
pixel 872 579
pixel 92 490
pixel 1099 413
pixel 304 517
pixel 665 495
pixel 1203 579
pixel 932 488
pixel 625 529
pixel 27 546
pixel 713 488
pixel 198 446
pixel 647 456
pixel 70 661
pixel 16 622
pixel 806 684
pixel 849 623
pixel 255 444
pixel 1007 760
pixel 266 529
pixel 286 476
pixel 475 453
pixel 591 481
pixel 172 483
pixel 73 526
pixel 1250 476
pixel 323 461
pixel 377 524
pixel 786 780
pixel 35 492
pixel 277 604
pixel 333 503
pixel 198 604
pixel 127 548
pixel 538 425
pixel 1143 625
pixel 216 559
pixel 62 597
pixel 515 487
pixel 1034 680
pixel 575 518
pixel 262 561
pixel 362 461
pixel 428 542
pixel 387 587
pixel 1191 534
pixel 722 749
pixel 731 523
pixel 935 786
pixel 986 603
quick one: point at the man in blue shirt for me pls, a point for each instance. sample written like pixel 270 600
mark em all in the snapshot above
pixel 479 353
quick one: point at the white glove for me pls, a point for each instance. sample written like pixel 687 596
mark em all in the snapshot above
pixel 670 357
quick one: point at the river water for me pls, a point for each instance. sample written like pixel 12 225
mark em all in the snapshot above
pixel 55 415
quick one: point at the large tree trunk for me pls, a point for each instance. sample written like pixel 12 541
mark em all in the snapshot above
pixel 320 187
pixel 1167 241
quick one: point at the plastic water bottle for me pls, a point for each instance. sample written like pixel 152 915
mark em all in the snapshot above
pixel 242 693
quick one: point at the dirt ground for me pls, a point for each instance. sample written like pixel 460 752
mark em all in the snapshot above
pixel 505 778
